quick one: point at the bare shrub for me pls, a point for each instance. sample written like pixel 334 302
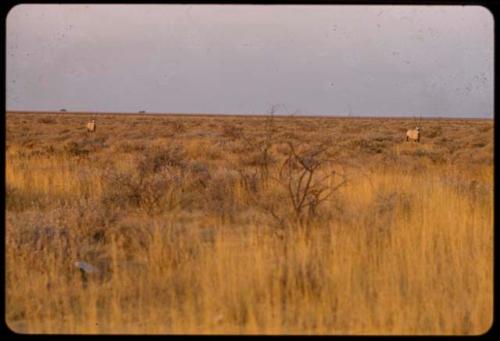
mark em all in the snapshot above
pixel 304 176
pixel 75 149
pixel 161 192
pixel 160 158
pixel 121 188
pixel 151 193
pixel 264 158
pixel 153 185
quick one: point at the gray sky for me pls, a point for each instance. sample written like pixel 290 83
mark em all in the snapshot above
pixel 242 59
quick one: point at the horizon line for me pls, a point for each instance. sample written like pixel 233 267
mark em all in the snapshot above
pixel 144 112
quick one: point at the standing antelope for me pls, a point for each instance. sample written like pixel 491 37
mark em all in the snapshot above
pixel 91 126
pixel 414 134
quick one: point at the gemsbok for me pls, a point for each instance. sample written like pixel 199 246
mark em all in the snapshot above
pixel 414 134
pixel 91 126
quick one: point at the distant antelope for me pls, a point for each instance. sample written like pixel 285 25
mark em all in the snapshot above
pixel 91 126
pixel 414 134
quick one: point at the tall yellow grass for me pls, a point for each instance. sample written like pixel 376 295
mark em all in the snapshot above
pixel 404 253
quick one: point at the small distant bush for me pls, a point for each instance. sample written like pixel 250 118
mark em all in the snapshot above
pixel 153 184
pixel 368 145
pixel 178 127
pixel 159 158
pixel 75 149
pixel 434 132
pixel 231 131
pixel 479 144
pixel 46 120
pixel 131 147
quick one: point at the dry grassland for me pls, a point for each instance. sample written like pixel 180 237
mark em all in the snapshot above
pixel 251 225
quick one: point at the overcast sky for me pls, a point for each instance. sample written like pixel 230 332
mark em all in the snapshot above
pixel 235 59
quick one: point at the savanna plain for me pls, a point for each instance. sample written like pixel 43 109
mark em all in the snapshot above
pixel 248 225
